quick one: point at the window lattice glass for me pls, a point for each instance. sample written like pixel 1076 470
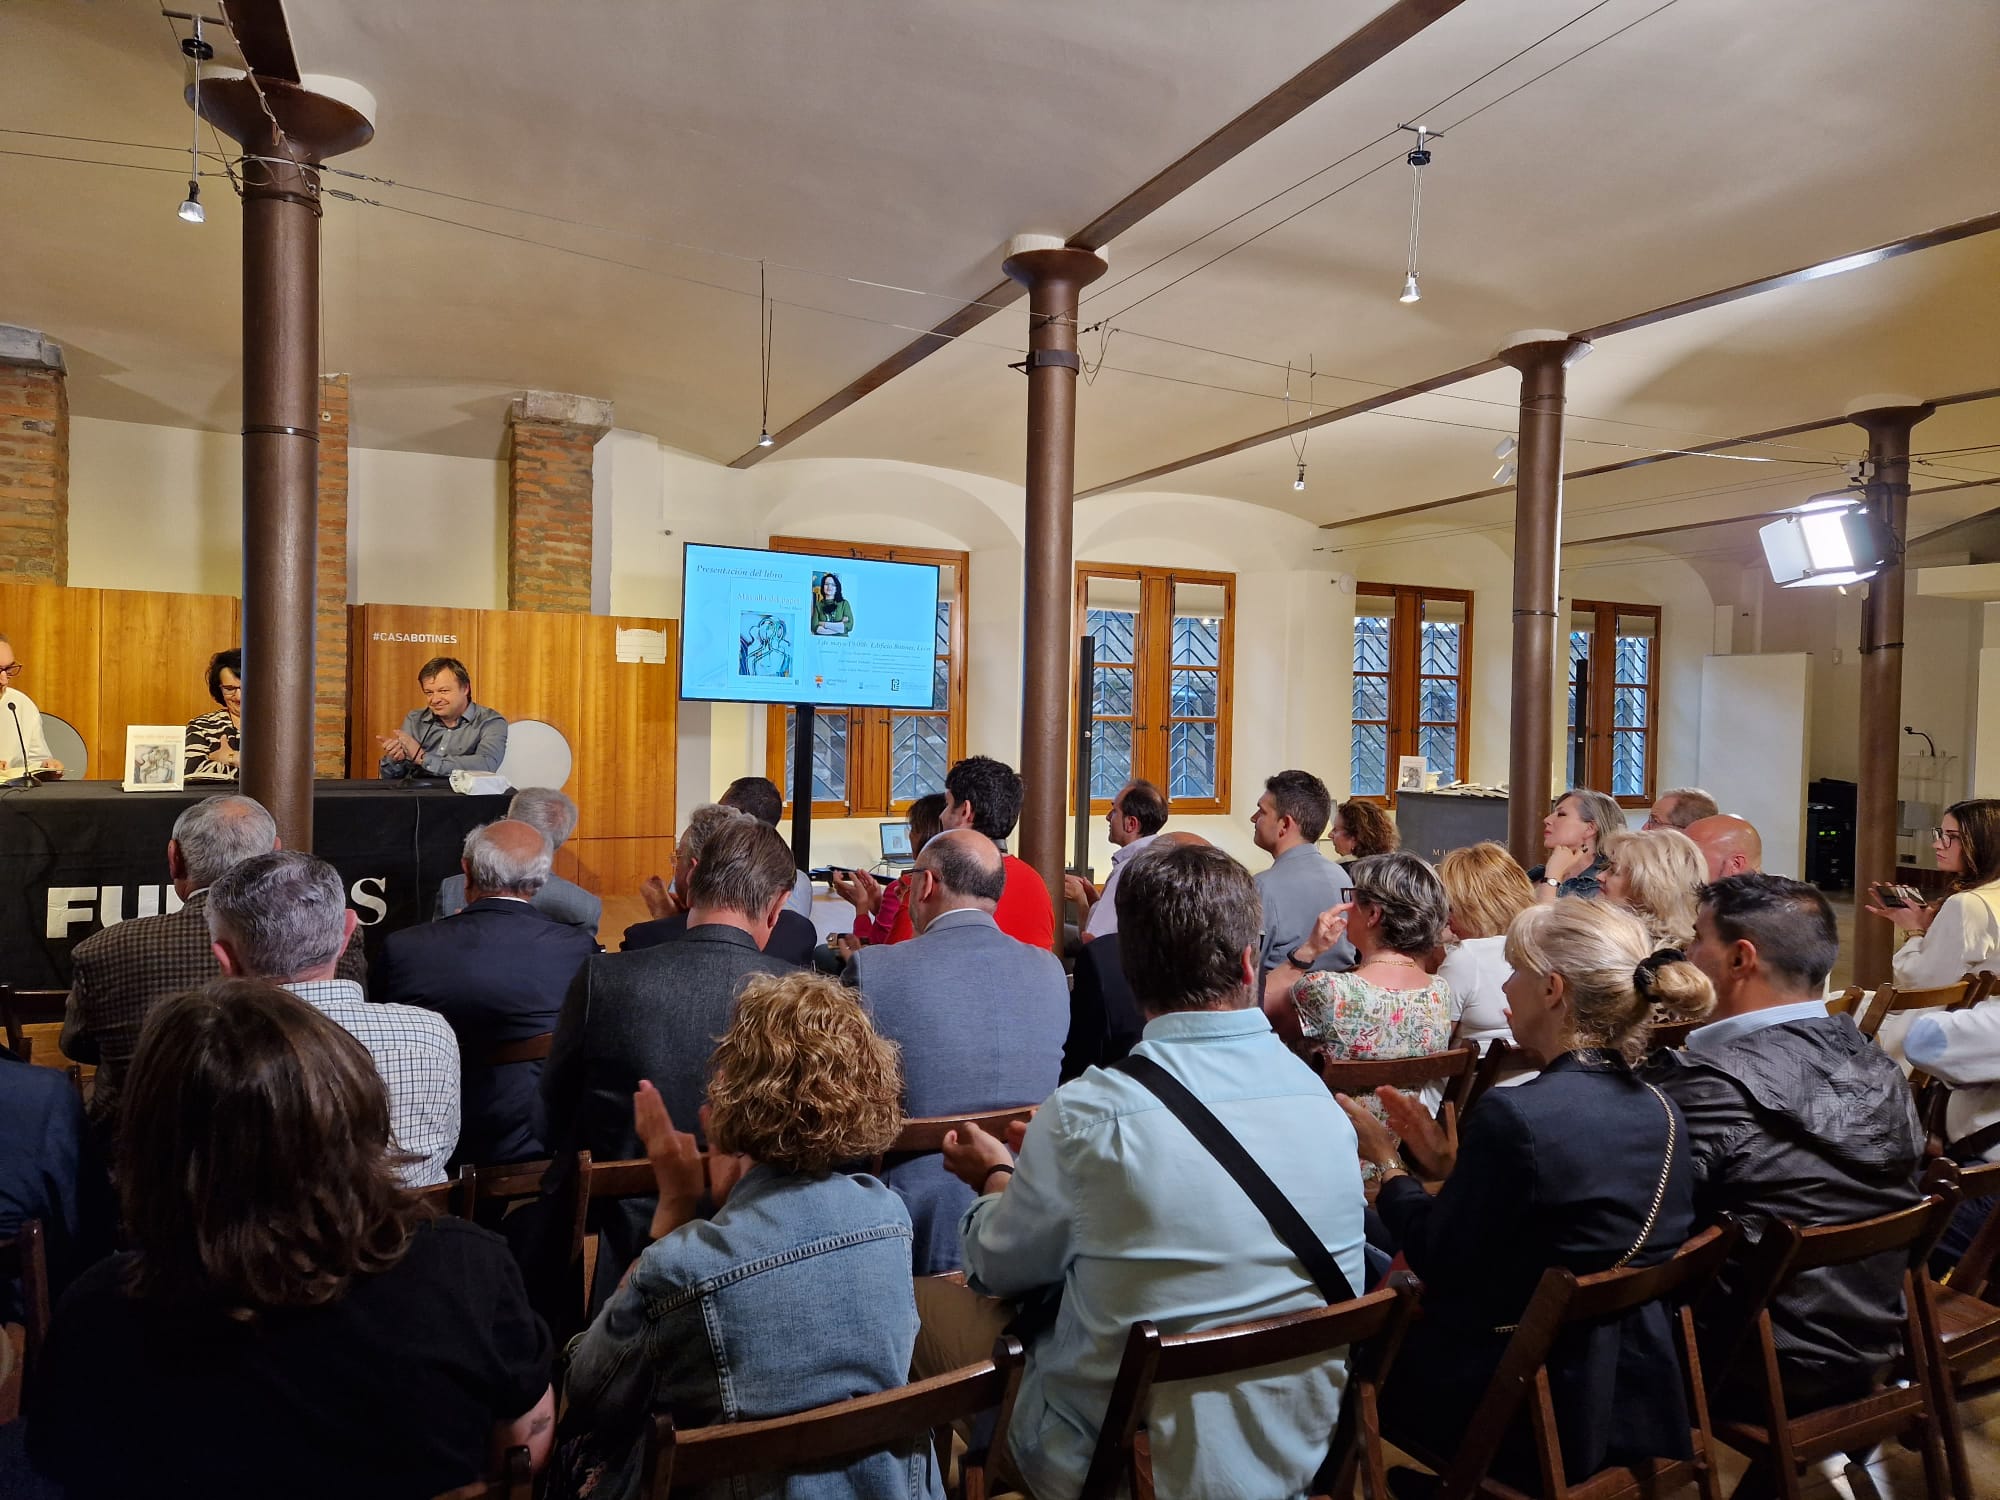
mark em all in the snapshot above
pixel 1370 770
pixel 829 771
pixel 1191 760
pixel 919 755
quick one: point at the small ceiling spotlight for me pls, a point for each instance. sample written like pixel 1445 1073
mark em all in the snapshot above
pixel 765 440
pixel 191 209
pixel 1411 293
pixel 1505 446
pixel 1419 158
pixel 197 51
pixel 1504 474
pixel 1300 482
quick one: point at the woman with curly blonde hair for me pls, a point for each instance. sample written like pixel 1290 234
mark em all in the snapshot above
pixel 797 1291
pixel 1656 874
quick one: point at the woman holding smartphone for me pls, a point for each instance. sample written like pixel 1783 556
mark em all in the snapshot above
pixel 1961 934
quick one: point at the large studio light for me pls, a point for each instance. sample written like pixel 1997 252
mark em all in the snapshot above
pixel 1830 540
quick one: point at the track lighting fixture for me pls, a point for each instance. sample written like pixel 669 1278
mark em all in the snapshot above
pixel 1410 291
pixel 191 209
pixel 765 440
pixel 766 325
pixel 1505 446
pixel 1300 482
pixel 1304 436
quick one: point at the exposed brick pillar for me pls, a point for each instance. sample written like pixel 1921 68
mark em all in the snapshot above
pixel 34 459
pixel 330 596
pixel 549 499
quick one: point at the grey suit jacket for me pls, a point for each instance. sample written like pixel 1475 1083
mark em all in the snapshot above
pixel 981 1019
pixel 564 900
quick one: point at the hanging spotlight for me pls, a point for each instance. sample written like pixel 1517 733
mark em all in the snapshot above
pixel 197 52
pixel 1503 474
pixel 1505 446
pixel 1298 443
pixel 765 440
pixel 1419 158
pixel 1830 541
pixel 1300 482
pixel 766 327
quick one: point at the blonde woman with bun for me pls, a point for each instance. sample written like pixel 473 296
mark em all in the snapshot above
pixel 1584 1167
pixel 1657 874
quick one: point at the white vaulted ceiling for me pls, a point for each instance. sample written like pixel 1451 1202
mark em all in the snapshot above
pixel 1671 150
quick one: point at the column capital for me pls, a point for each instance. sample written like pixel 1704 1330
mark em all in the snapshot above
pixel 1888 413
pixel 1542 348
pixel 1038 259
pixel 30 349
pixel 591 414
pixel 320 115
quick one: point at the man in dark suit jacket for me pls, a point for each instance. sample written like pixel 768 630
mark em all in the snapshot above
pixel 554 814
pixel 1104 1019
pixel 497 972
pixel 793 939
pixel 656 1013
pixel 119 974
pixel 980 1018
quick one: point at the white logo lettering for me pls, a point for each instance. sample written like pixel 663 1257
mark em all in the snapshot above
pixel 65 913
pixel 370 901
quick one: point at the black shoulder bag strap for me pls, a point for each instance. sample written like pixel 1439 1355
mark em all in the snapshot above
pixel 1214 1136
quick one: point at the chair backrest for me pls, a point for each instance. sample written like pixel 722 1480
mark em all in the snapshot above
pixel 452 1197
pixel 621 1179
pixel 924 1135
pixel 1563 1298
pixel 1501 1059
pixel 517 1180
pixel 538 754
pixel 1847 1002
pixel 842 1430
pixel 1889 1001
pixel 1375 1323
pixel 67 746
pixel 527 1049
pixel 1670 1035
pixel 21 1008
pixel 24 1258
pixel 1973 1274
pixel 1455 1069
pixel 515 1481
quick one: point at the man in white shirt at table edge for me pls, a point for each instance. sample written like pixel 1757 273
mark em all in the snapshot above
pixel 21 723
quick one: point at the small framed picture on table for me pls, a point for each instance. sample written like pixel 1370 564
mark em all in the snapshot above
pixel 155 757
pixel 1410 770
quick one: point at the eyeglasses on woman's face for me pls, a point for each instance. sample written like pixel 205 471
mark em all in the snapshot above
pixel 1945 836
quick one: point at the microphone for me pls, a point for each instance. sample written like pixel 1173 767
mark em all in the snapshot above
pixel 27 776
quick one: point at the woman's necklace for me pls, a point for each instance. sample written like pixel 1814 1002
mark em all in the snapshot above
pixel 1390 961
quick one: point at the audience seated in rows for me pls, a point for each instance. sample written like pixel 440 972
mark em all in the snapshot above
pixel 288 1317
pixel 792 939
pixel 1104 1020
pixel 1961 934
pixel 284 917
pixel 797 1292
pixel 548 810
pixel 1137 813
pixel 1656 874
pixel 1116 1204
pixel 1679 808
pixel 497 972
pixel 1729 846
pixel 655 1014
pixel 1486 889
pixel 52 1170
pixel 980 1019
pixel 759 797
pixel 1584 1168
pixel 1575 833
pixel 1361 828
pixel 1793 1114
pixel 120 973
pixel 882 912
pixel 1301 882
pixel 985 795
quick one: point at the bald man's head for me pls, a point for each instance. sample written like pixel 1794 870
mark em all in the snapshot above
pixel 967 867
pixel 1177 838
pixel 507 858
pixel 1728 844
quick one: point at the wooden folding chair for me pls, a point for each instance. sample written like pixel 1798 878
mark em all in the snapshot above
pixel 1968 1319
pixel 925 1136
pixel 1670 1036
pixel 453 1196
pixel 1371 1328
pixel 24 1258
pixel 527 1049
pixel 1783 1444
pixel 1890 1001
pixel 1848 1002
pixel 1563 1299
pixel 1456 1069
pixel 843 1430
pixel 515 1481
pixel 1502 1059
pixel 22 1008
pixel 492 1189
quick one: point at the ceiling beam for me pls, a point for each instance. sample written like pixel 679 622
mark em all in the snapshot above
pixel 1874 255
pixel 1769 515
pixel 1394 26
pixel 263 36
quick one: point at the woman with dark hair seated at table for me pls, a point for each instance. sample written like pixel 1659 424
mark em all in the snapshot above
pixel 1585 1166
pixel 797 1293
pixel 290 1320
pixel 215 740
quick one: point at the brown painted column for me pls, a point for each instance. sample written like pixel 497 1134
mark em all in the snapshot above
pixel 285 133
pixel 34 458
pixel 1544 362
pixel 1054 275
pixel 1888 428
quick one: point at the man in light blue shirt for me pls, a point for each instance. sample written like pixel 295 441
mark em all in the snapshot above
pixel 1115 1201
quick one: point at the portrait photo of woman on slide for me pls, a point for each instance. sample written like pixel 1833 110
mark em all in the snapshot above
pixel 831 615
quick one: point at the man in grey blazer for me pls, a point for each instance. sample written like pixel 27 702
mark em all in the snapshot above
pixel 554 814
pixel 981 1019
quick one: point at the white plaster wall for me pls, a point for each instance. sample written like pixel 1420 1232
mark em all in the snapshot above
pixel 427 529
pixel 154 508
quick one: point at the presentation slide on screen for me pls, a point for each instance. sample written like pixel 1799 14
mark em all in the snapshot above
pixel 788 627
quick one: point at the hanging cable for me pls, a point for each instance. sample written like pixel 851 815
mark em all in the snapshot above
pixel 1304 436
pixel 197 51
pixel 1419 158
pixel 765 327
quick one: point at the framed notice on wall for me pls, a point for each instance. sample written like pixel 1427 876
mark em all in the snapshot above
pixel 155 757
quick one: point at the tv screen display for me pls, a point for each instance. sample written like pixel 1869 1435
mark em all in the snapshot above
pixel 792 627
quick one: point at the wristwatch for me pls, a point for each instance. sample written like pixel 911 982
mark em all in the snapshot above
pixel 1552 883
pixel 1304 965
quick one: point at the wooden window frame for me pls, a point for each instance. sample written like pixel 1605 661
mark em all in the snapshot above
pixel 1152 679
pixel 1406 678
pixel 869 742
pixel 1602 687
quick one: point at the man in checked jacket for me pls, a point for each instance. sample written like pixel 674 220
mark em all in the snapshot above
pixel 122 972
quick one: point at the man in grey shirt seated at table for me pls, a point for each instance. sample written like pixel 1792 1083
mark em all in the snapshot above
pixel 450 733
pixel 1302 882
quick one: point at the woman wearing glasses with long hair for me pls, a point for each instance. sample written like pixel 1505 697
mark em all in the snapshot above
pixel 1961 934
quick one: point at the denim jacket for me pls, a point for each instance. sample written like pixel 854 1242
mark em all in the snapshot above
pixel 797 1293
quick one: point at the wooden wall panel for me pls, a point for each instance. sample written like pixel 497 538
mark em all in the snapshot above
pixel 154 663
pixel 625 746
pixel 382 670
pixel 612 870
pixel 529 668
pixel 55 632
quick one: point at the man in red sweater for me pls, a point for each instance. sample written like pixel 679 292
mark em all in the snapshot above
pixel 983 794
